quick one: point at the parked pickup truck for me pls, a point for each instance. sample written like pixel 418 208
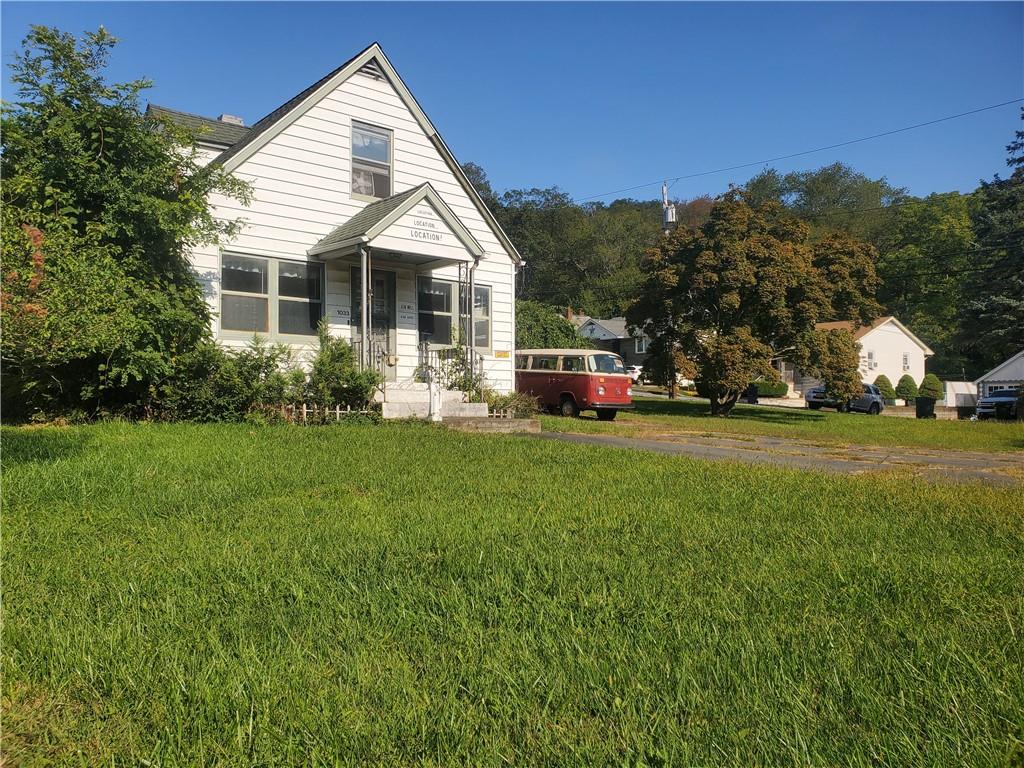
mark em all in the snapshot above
pixel 999 404
pixel 870 402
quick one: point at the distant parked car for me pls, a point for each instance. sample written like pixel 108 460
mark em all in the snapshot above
pixel 870 402
pixel 636 373
pixel 999 404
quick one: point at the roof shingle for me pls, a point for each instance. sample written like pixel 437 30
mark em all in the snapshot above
pixel 211 131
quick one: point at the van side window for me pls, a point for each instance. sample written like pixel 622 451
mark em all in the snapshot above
pixel 545 363
pixel 521 361
pixel 574 364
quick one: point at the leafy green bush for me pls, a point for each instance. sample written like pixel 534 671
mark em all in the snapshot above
pixel 906 388
pixel 334 378
pixel 885 387
pixel 768 388
pixel 99 206
pixel 522 405
pixel 931 387
pixel 216 384
pixel 539 326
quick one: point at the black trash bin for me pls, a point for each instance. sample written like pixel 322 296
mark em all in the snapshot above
pixel 925 407
pixel 750 394
pixel 1004 411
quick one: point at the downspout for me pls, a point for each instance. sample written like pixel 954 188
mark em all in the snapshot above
pixel 364 280
pixel 472 310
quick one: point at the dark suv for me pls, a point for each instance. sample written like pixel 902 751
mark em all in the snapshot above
pixel 870 402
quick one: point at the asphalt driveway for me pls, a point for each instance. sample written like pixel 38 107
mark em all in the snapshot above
pixel 959 466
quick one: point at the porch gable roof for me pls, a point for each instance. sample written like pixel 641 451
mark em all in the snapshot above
pixel 375 218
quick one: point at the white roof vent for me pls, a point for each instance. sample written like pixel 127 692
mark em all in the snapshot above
pixel 372 69
pixel 233 119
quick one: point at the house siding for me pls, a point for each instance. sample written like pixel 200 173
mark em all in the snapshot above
pixel 301 190
pixel 889 343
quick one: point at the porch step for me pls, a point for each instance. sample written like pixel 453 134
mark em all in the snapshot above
pixel 407 395
pixel 392 409
pixel 493 426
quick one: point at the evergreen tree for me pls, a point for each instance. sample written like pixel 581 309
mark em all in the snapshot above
pixel 906 388
pixel 885 387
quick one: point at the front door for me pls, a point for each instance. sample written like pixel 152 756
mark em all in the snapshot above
pixel 383 334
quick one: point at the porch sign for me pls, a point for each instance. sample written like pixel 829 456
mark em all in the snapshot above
pixel 424 224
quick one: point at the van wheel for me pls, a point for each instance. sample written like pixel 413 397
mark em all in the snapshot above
pixel 569 407
pixel 874 409
pixel 606 415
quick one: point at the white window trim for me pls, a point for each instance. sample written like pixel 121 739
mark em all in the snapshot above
pixel 353 160
pixel 640 345
pixel 272 297
pixel 456 312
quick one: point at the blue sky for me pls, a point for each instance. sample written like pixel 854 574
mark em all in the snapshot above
pixel 596 97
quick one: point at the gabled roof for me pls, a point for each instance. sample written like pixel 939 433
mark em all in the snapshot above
pixel 859 331
pixel 271 125
pixel 616 326
pixel 210 130
pixel 378 216
pixel 1007 368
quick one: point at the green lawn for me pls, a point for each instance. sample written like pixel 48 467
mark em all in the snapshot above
pixel 405 595
pixel 689 415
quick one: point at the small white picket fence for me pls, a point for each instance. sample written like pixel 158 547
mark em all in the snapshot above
pixel 303 413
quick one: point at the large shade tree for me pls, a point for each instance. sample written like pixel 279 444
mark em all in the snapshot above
pixel 748 286
pixel 992 310
pixel 100 205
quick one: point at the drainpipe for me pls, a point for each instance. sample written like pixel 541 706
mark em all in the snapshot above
pixel 472 310
pixel 364 271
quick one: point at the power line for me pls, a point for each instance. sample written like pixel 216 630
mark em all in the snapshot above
pixel 808 151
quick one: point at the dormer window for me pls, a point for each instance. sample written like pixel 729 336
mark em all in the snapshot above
pixel 371 161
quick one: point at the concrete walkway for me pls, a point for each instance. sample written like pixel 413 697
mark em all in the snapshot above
pixel 959 466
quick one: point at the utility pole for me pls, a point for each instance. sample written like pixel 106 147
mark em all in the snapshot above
pixel 668 210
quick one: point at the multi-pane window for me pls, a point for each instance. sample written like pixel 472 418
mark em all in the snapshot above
pixel 640 345
pixel 436 310
pixel 481 316
pixel 245 295
pixel 438 319
pixel 270 296
pixel 371 160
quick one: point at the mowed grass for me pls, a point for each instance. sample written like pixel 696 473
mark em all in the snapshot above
pixel 691 415
pixel 227 595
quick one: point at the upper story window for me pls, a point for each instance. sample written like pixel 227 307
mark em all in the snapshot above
pixel 371 161
pixel 270 296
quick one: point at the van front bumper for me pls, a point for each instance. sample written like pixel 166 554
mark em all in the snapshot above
pixel 616 406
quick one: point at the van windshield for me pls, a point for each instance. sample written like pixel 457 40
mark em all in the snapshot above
pixel 606 364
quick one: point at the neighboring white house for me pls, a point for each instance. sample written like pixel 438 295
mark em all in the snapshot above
pixel 886 347
pixel 360 214
pixel 1007 375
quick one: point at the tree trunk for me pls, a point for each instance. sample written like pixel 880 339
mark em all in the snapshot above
pixel 721 405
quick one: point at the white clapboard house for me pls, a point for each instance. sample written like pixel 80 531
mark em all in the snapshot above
pixel 887 347
pixel 360 214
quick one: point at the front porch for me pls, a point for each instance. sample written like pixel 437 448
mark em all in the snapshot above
pixel 400 275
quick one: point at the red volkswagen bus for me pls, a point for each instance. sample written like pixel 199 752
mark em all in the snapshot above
pixel 568 381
